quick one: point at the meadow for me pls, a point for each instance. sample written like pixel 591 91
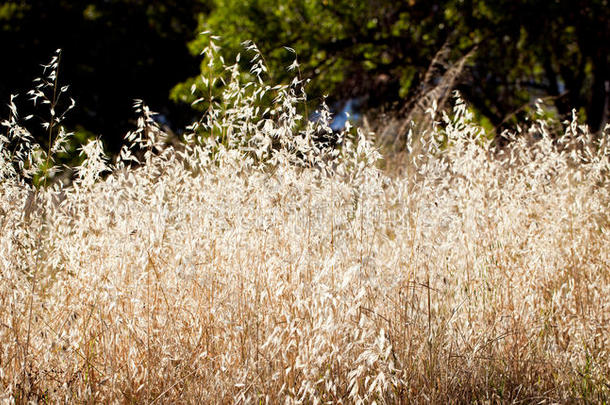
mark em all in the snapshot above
pixel 251 263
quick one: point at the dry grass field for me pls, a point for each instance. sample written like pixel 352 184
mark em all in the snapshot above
pixel 254 266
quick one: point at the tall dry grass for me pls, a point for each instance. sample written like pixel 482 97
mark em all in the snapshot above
pixel 251 265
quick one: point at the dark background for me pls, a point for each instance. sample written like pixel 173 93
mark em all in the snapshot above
pixel 112 53
pixel 380 52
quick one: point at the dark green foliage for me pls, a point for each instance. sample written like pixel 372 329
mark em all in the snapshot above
pixel 381 49
pixel 115 51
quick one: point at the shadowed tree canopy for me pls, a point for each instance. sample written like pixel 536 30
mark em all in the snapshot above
pixel 382 49
pixel 114 51
pixel 379 51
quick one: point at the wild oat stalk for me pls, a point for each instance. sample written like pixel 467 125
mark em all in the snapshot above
pixel 270 268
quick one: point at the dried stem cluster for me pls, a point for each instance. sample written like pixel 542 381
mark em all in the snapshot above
pixel 253 265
